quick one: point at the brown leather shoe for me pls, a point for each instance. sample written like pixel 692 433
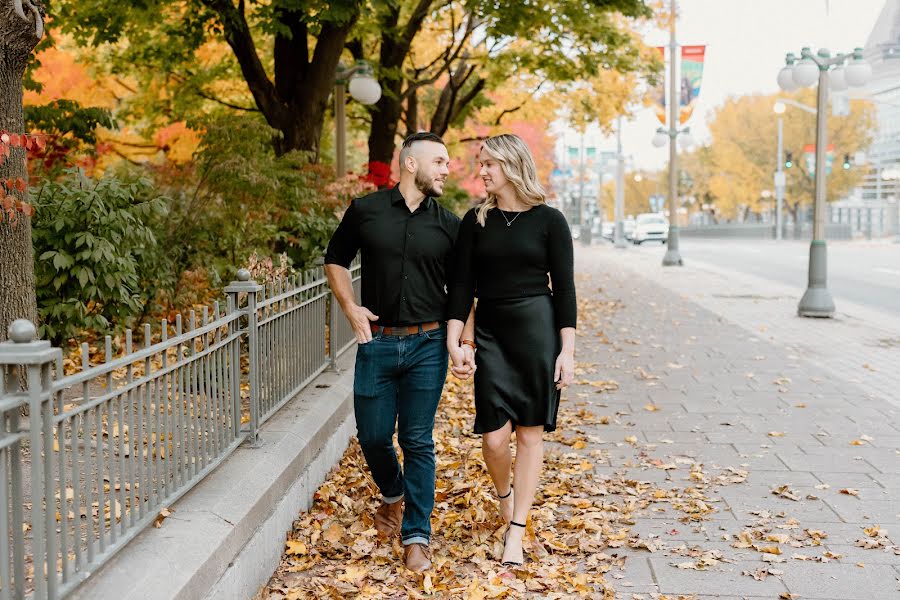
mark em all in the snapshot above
pixel 388 518
pixel 417 557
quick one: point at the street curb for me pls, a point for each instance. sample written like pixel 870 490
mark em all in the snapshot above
pixel 225 538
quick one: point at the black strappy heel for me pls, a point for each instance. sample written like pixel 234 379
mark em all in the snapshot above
pixel 499 497
pixel 511 563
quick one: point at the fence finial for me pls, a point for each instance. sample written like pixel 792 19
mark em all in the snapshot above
pixel 22 331
pixel 243 275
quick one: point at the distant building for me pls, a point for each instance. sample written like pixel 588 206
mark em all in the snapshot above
pixel 882 50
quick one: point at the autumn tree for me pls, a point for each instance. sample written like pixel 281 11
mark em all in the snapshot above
pixel 639 186
pixel 740 161
pixel 285 51
pixel 438 60
pixel 21 28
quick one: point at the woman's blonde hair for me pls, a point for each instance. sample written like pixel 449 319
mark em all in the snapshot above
pixel 518 165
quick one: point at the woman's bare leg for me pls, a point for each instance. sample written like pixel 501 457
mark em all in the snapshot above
pixel 529 462
pixel 498 460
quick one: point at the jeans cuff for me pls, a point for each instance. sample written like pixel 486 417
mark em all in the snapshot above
pixel 415 539
pixel 391 499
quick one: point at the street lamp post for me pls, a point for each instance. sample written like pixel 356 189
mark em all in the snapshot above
pixel 619 231
pixel 817 301
pixel 364 88
pixel 672 257
pixel 779 172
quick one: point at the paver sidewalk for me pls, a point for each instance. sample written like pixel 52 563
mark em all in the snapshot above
pixel 777 476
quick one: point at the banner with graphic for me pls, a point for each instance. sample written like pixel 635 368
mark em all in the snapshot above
pixel 691 77
pixel 658 93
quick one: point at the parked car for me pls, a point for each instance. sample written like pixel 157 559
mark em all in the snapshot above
pixel 608 229
pixel 628 227
pixel 650 226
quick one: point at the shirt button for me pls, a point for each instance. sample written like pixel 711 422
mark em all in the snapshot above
pixel 406 277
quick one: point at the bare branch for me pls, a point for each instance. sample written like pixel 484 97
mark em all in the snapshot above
pixel 505 112
pixel 38 20
pixel 452 53
pixel 212 98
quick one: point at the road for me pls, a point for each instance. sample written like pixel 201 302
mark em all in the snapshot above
pixel 866 273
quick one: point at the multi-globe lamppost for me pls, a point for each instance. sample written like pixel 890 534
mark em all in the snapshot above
pixel 812 68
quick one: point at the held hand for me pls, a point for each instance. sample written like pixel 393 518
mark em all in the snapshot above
pixel 469 352
pixel 360 319
pixel 468 367
pixel 459 368
pixel 565 370
pixel 457 357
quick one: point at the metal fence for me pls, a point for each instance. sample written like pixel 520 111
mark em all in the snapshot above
pixel 91 458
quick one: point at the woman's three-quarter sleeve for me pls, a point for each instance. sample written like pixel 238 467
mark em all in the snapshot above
pixel 562 271
pixel 462 282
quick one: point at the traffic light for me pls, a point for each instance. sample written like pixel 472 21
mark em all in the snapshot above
pixel 789 159
pixel 846 161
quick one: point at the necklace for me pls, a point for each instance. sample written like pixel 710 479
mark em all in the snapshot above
pixel 510 222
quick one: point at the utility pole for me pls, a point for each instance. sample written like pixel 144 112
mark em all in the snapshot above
pixel 779 180
pixel 619 231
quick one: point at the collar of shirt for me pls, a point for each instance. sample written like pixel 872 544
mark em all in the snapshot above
pixel 397 198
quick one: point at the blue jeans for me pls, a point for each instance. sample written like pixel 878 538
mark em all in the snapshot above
pixel 398 382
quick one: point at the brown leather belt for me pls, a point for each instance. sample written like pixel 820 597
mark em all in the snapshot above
pixel 405 329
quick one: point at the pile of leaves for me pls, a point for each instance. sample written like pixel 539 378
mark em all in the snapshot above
pixel 334 551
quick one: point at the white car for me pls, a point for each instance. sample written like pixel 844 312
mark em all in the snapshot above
pixel 608 229
pixel 650 226
pixel 628 227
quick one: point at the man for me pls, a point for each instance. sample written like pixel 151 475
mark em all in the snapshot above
pixel 406 239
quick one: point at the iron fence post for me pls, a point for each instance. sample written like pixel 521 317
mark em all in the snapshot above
pixel 37 357
pixel 246 285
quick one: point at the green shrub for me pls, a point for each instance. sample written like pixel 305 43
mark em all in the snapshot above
pixel 94 245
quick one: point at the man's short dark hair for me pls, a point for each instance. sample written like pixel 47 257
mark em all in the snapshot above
pixel 422 136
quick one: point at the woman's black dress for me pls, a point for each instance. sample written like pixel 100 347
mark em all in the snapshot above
pixel 518 318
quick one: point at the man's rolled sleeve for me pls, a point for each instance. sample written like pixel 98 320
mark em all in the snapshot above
pixel 344 243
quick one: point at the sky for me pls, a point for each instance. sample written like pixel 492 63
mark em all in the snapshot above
pixel 746 41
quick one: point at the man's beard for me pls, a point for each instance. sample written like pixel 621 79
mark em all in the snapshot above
pixel 426 186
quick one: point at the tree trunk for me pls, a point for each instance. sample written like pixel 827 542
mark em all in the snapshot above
pixel 412 113
pixel 302 129
pixel 18 38
pixel 453 100
pixel 295 103
pixel 795 213
pixel 396 41
pixel 385 118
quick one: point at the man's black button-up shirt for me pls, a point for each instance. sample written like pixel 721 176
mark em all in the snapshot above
pixel 406 256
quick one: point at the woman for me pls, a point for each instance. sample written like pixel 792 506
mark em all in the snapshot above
pixel 524 332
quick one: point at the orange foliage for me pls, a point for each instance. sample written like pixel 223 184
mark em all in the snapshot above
pixel 64 77
pixel 534 134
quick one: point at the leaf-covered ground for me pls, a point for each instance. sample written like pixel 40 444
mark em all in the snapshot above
pixel 652 464
pixel 578 521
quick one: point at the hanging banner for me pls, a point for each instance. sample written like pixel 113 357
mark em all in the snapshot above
pixel 658 93
pixel 691 77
